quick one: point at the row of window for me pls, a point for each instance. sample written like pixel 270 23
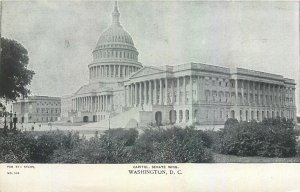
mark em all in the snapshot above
pixel 43 110
pixel 268 99
pixel 47 119
pixel 247 115
pixel 223 83
pixel 48 103
pixel 115 54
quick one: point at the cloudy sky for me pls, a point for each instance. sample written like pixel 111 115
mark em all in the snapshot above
pixel 60 36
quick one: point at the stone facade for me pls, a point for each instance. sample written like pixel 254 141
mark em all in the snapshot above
pixel 37 109
pixel 183 94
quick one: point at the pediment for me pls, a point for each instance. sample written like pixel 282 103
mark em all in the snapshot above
pixel 146 71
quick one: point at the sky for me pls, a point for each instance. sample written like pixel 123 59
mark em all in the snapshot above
pixel 61 35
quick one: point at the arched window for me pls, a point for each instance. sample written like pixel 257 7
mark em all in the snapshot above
pixel 233 114
pixel 241 115
pixel 180 116
pixel 172 116
pixel 207 95
pixel 187 115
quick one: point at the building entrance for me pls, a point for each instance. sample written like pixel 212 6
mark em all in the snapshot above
pixel 158 118
pixel 85 119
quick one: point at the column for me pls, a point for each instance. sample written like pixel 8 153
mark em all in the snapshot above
pixel 133 95
pixel 269 90
pixel 91 103
pixel 78 104
pixel 129 95
pixel 184 91
pixel 145 93
pixel 166 92
pixel 248 95
pixel 140 94
pixel 258 93
pixel 136 95
pixel 178 91
pixel 76 101
pixel 263 94
pixel 83 102
pixel 242 91
pixel 150 93
pixel 105 102
pixel 114 71
pixel 86 103
pixel 236 92
pixel 160 92
pixel 198 90
pixel 125 96
pixel 101 103
pixel 96 103
pixel 112 102
pixel 191 94
pixel 154 92
pixel 172 91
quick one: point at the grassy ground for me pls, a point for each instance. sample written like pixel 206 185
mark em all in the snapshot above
pixel 220 158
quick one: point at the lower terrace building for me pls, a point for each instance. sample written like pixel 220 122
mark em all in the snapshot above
pixel 122 89
pixel 37 109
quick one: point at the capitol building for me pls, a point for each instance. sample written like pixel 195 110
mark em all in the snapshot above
pixel 121 89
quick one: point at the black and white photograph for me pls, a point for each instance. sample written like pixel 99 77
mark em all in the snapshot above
pixel 148 84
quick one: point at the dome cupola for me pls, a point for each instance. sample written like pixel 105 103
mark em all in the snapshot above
pixel 114 53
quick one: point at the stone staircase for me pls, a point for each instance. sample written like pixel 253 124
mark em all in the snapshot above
pixel 127 119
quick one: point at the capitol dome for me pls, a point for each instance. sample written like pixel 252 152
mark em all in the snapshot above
pixel 115 56
pixel 115 34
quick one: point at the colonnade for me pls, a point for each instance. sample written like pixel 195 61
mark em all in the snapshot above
pixel 162 91
pixel 100 103
pixel 111 71
pixel 260 114
pixel 263 94
pixel 165 91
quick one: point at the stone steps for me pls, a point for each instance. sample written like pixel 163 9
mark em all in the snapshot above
pixel 127 119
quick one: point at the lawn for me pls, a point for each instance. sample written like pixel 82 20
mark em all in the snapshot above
pixel 220 158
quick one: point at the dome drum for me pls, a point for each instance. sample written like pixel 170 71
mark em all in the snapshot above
pixel 111 72
pixel 115 54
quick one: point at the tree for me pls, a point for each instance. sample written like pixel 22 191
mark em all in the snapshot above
pixel 14 75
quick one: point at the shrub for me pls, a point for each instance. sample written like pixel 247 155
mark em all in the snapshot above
pixel 16 147
pixel 173 145
pixel 31 147
pixel 269 138
pixel 111 147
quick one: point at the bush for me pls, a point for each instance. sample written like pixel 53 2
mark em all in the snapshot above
pixel 174 145
pixel 29 147
pixel 111 147
pixel 269 138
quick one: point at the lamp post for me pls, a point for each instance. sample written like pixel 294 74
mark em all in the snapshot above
pixel 10 121
pixel 109 152
pixel 15 119
pixel 5 126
